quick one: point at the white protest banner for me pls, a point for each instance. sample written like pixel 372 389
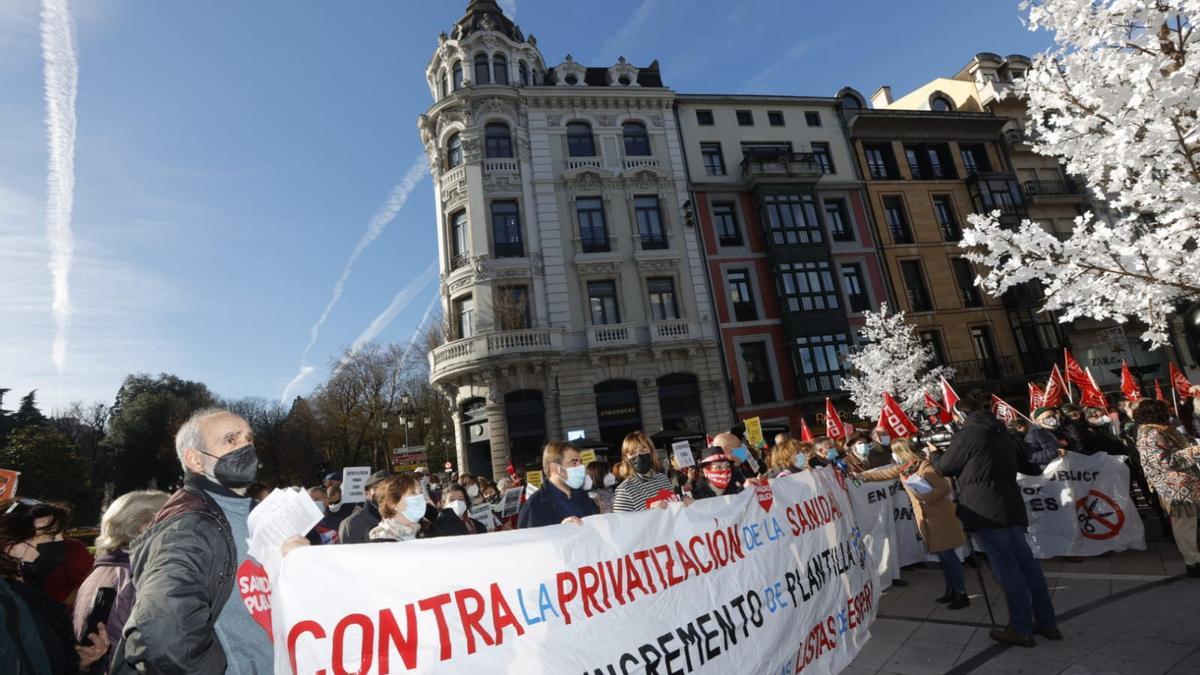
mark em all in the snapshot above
pixel 354 481
pixel 683 454
pixel 874 514
pixel 770 580
pixel 1080 506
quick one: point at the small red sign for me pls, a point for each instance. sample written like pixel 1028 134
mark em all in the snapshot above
pixel 662 496
pixel 765 497
pixel 255 589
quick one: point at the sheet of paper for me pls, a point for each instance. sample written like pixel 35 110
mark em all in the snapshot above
pixel 282 515
pixel 511 503
pixel 683 454
pixel 918 484
pixel 354 481
pixel 483 513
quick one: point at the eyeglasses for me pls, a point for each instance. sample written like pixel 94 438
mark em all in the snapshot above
pixel 22 501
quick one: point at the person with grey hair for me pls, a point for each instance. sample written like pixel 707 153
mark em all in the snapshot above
pixel 189 616
pixel 127 517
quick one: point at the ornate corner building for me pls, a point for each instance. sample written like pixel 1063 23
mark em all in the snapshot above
pixel 571 277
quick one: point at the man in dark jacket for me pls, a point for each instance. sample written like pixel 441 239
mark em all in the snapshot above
pixel 561 499
pixel 1043 440
pixel 188 616
pixel 985 460
pixel 354 530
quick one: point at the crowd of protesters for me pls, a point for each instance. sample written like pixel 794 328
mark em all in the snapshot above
pixel 167 563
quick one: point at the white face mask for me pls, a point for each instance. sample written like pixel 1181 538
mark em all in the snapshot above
pixel 472 491
pixel 414 508
pixel 587 483
pixel 862 449
pixel 1050 423
pixel 459 507
pixel 609 480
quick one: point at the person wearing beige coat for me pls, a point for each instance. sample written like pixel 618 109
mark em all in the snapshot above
pixel 933 511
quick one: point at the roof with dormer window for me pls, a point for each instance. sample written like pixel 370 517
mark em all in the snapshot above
pixel 486 15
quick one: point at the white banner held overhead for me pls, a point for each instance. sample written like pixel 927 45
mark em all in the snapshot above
pixel 771 580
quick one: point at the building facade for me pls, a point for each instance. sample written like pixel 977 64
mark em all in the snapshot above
pixel 789 247
pixel 573 288
pixel 925 171
pixel 991 83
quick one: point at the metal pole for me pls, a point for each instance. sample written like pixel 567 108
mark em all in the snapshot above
pixel 982 586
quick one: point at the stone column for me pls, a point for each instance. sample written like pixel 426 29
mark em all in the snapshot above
pixel 498 435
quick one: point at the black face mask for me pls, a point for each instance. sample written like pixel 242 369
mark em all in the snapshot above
pixel 237 469
pixel 50 555
pixel 641 463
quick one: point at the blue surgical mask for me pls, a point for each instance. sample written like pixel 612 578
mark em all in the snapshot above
pixel 576 476
pixel 414 508
pixel 741 453
pixel 885 440
pixel 800 462
pixel 862 449
pixel 831 454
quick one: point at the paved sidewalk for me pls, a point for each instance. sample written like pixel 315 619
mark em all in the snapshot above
pixel 1130 612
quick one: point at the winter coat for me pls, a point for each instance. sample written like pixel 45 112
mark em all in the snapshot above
pixel 448 524
pixel 544 507
pixel 183 568
pixel 985 459
pixel 111 571
pixel 1171 471
pixel 934 511
pixel 354 530
pixel 53 623
pixel 21 648
pixel 1043 445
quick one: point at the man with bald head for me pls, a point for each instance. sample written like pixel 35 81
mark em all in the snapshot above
pixel 736 449
pixel 189 616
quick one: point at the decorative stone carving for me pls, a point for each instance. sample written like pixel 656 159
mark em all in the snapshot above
pixel 472 149
pixel 602 267
pixel 493 105
pixel 622 69
pixel 523 147
pixel 537 263
pixel 553 120
pixel 481 267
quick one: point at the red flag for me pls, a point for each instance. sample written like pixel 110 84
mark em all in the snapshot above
pixel 893 419
pixel 942 417
pixel 1037 397
pixel 1003 411
pixel 1092 397
pixel 833 422
pixel 1180 382
pixel 805 432
pixel 1158 394
pixel 1074 372
pixel 949 396
pixel 1056 388
pixel 1129 386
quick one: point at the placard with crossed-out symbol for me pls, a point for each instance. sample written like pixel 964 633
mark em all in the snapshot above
pixel 1099 516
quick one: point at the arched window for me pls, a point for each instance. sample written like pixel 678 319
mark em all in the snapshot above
pixel 580 142
pixel 481 69
pixel 499 69
pixel 618 409
pixel 851 102
pixel 458 78
pixel 624 81
pixel 941 104
pixel 454 155
pixel 497 141
pixel 637 143
pixel 523 73
pixel 445 86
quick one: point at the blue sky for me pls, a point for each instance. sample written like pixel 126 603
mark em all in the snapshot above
pixel 230 156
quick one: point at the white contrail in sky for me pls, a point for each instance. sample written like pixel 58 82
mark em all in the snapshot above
pixel 61 85
pixel 417 334
pixel 402 300
pixel 375 227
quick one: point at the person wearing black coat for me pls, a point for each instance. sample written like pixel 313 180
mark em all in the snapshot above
pixel 717 475
pixel 561 498
pixel 985 459
pixel 453 520
pixel 356 528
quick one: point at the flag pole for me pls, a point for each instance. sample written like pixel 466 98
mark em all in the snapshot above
pixel 1067 375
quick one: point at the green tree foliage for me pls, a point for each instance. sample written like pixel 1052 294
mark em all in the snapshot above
pixel 52 470
pixel 141 436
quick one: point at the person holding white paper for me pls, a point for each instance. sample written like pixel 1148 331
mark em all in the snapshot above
pixel 934 512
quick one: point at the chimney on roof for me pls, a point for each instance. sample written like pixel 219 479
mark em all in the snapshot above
pixel 882 97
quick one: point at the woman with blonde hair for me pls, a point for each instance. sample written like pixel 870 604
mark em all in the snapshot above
pixel 788 457
pixel 644 475
pixel 934 512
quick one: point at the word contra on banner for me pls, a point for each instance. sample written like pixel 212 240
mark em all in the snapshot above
pixel 731 583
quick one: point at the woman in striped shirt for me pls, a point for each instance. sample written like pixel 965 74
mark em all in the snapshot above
pixel 645 475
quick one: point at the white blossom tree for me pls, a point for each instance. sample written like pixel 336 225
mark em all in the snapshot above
pixel 1116 100
pixel 892 359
